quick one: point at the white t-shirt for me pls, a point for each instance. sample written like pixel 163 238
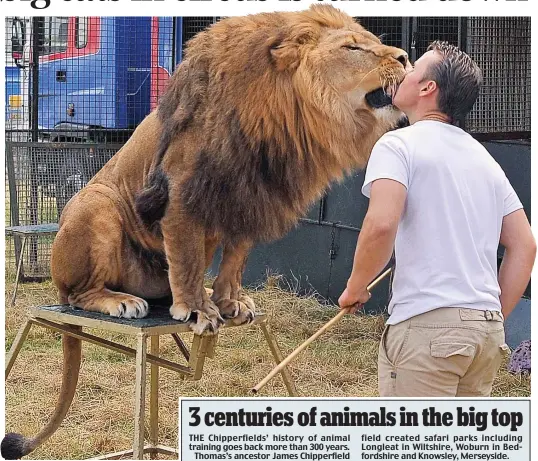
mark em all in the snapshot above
pixel 448 235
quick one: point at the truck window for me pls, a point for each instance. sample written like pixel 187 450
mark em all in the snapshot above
pixel 81 32
pixel 54 35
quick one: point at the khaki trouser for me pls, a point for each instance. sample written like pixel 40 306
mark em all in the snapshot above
pixel 446 352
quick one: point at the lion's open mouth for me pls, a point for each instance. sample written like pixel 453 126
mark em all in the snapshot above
pixel 378 98
pixel 382 97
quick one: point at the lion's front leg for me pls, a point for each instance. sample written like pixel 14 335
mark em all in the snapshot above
pixel 227 294
pixel 184 244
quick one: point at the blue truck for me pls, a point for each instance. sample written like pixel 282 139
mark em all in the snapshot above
pixel 98 77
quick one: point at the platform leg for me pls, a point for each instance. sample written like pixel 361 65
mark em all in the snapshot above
pixel 277 354
pixel 140 397
pixel 19 267
pixel 182 346
pixel 16 345
pixel 154 397
pixel 201 345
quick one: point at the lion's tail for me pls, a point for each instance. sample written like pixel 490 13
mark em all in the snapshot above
pixel 15 446
pixel 152 201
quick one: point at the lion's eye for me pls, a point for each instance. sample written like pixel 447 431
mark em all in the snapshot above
pixel 352 47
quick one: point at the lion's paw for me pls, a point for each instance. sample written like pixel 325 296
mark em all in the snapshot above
pixel 130 307
pixel 204 325
pixel 203 320
pixel 228 308
pixel 208 319
pixel 239 310
pixel 180 311
pixel 247 301
pixel 245 315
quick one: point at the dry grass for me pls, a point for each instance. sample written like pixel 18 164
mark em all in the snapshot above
pixel 341 363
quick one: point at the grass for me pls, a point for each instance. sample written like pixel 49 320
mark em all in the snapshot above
pixel 340 363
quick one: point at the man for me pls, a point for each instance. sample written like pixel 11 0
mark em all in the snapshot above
pixel 443 204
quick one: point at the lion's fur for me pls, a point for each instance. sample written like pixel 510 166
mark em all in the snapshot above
pixel 276 134
pixel 262 115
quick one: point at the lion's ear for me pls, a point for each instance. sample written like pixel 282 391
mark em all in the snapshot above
pixel 285 56
pixel 285 48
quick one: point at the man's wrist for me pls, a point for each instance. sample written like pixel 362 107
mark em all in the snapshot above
pixel 355 286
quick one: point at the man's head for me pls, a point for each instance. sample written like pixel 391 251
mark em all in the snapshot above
pixel 444 80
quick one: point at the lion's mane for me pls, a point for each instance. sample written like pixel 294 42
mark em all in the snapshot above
pixel 273 136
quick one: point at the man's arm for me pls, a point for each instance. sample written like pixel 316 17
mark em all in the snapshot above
pixel 519 255
pixel 376 238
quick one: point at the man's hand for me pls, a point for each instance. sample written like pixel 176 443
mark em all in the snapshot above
pixel 353 300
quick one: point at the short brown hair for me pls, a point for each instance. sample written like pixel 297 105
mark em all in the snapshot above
pixel 459 79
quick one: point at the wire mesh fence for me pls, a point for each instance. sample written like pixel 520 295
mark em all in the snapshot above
pixel 428 29
pixel 41 177
pixel 17 84
pixel 77 87
pixel 502 49
pixel 389 29
pixel 192 25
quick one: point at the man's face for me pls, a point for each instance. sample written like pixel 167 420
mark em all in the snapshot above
pixel 409 91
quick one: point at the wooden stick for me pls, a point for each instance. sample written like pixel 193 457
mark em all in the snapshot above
pixel 312 338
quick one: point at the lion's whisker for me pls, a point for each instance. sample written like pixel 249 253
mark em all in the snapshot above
pixel 366 75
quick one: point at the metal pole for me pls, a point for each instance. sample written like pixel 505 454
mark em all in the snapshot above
pixel 462 45
pixel 321 212
pixel 414 36
pixel 13 197
pixel 177 42
pixel 406 35
pixel 37 28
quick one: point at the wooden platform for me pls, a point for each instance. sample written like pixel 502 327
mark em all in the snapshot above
pixel 71 321
pixel 158 321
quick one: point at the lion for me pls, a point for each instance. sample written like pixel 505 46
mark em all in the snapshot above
pixel 262 115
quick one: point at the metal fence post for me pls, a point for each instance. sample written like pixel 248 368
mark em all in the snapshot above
pixel 462 45
pixel 37 25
